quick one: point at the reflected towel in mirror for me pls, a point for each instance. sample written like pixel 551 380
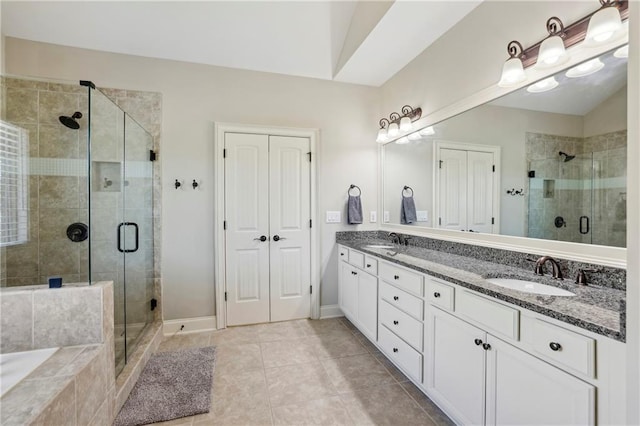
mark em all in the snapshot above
pixel 354 210
pixel 408 210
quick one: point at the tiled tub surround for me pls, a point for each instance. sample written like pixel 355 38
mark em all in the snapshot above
pixel 77 384
pixel 598 307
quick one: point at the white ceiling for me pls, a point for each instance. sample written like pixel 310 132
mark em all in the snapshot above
pixel 300 38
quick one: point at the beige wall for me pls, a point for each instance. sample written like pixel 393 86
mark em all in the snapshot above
pixel 194 97
pixel 609 116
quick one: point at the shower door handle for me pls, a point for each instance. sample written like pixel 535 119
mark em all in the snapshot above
pixel 584 220
pixel 137 240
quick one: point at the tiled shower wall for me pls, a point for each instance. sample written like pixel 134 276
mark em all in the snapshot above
pixel 58 185
pixel 568 198
pixel 57 181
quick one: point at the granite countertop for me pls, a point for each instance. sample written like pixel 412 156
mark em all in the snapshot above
pixel 594 308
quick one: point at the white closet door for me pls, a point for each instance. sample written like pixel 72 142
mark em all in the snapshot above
pixel 453 189
pixel 246 204
pixel 480 191
pixel 289 213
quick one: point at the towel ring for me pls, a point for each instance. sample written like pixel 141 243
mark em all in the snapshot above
pixel 407 188
pixel 352 186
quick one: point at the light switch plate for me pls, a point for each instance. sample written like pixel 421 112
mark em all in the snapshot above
pixel 422 216
pixel 333 217
pixel 373 216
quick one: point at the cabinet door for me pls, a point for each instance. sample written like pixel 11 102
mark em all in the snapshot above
pixel 522 389
pixel 368 305
pixel 455 366
pixel 348 291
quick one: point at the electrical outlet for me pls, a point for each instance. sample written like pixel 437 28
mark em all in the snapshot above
pixel 386 217
pixel 333 217
pixel 373 216
pixel 422 216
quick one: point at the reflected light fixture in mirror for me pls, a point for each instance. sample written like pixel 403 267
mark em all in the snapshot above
pixel 623 52
pixel 586 68
pixel 403 140
pixel 392 126
pixel 604 24
pixel 428 131
pixel 552 51
pixel 543 85
pixel 415 136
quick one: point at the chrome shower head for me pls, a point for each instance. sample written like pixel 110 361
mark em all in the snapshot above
pixel 567 157
pixel 71 122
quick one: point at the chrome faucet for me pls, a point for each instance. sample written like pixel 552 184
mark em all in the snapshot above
pixel 557 273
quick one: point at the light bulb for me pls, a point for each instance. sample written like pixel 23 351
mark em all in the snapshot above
pixel 603 25
pixel 405 124
pixel 623 52
pixel 551 53
pixel 382 135
pixel 393 130
pixel 512 73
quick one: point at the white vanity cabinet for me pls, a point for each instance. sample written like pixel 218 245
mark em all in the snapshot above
pixel 358 291
pixel 480 359
pixel 480 379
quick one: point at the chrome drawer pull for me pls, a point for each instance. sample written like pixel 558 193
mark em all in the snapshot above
pixel 555 346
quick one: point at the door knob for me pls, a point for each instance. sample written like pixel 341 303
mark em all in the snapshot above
pixel 262 238
pixel 278 238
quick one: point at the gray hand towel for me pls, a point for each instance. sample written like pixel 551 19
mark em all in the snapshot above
pixel 408 210
pixel 354 210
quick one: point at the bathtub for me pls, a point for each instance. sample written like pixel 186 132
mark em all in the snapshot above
pixel 15 366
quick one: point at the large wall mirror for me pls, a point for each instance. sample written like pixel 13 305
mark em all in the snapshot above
pixel 559 151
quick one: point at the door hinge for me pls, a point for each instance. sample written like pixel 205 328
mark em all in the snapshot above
pixel 310 223
pixel 440 164
pixel 309 154
pixel 224 153
pixel 493 168
pixel 225 296
pixel 224 225
pixel 493 220
pixel 439 221
pixel 152 155
pixel 310 289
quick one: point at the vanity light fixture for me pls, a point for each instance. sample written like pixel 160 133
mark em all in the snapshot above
pixel 552 51
pixel 391 127
pixel 513 70
pixel 543 85
pixel 623 52
pixel 602 26
pixel 585 68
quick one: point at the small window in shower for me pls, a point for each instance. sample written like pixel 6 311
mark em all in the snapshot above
pixel 14 184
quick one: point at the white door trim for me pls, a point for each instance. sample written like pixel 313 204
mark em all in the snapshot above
pixel 219 208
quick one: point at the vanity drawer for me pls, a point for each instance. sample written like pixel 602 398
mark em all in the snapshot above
pixel 440 294
pixel 409 329
pixel 495 317
pixel 571 350
pixel 401 299
pixel 402 354
pixel 356 259
pixel 343 253
pixel 371 265
pixel 400 277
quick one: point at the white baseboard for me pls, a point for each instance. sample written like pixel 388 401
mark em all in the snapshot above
pixel 188 325
pixel 330 311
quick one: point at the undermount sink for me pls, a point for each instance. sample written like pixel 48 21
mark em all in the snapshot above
pixel 529 287
pixel 379 246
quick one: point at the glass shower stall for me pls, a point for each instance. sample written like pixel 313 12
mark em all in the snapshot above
pixel 77 196
pixel 121 217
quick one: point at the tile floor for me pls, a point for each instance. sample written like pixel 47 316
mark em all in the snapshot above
pixel 304 373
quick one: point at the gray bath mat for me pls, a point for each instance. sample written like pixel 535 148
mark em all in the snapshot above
pixel 172 385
